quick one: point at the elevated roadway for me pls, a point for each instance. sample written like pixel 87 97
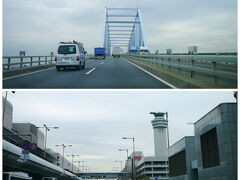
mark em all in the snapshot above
pixel 15 159
pixel 101 175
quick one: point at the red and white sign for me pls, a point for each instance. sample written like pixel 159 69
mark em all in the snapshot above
pixel 137 158
pixel 33 146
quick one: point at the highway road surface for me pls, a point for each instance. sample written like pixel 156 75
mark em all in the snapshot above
pixel 108 73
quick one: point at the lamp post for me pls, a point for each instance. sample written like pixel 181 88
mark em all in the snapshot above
pixel 133 162
pixel 79 165
pixel 115 169
pixel 45 142
pixel 121 165
pixel 4 105
pixel 64 146
pixel 126 165
pixel 73 155
pixel 124 150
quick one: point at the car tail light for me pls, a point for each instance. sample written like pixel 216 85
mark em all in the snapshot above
pixel 78 58
pixel 55 59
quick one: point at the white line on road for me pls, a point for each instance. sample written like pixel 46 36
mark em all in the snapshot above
pixel 28 73
pixel 165 82
pixel 90 71
pixel 102 62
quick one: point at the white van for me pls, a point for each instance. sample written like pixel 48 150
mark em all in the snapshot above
pixel 70 54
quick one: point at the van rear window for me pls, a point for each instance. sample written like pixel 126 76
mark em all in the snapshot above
pixel 67 49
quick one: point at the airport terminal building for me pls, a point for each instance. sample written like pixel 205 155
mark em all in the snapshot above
pixel 212 152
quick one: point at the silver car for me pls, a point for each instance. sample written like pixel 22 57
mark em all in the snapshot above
pixel 70 54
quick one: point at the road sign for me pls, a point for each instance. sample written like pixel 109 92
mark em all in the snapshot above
pixel 26 146
pixel 33 146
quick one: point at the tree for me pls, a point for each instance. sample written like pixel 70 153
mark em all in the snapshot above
pixel 144 177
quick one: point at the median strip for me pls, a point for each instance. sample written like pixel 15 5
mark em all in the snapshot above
pixel 90 71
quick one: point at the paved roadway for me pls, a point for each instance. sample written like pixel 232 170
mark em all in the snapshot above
pixel 109 73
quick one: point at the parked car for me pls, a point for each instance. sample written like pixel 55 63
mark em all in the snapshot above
pixel 70 54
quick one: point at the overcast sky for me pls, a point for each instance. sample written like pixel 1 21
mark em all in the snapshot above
pixel 94 122
pixel 37 26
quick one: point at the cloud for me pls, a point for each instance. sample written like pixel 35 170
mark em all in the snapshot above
pixel 37 26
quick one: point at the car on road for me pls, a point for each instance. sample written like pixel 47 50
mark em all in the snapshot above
pixel 70 54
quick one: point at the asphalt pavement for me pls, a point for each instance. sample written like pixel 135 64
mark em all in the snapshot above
pixel 104 74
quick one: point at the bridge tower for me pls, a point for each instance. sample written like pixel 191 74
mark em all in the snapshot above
pixel 160 127
pixel 123 27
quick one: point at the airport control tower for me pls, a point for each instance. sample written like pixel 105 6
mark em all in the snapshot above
pixel 160 125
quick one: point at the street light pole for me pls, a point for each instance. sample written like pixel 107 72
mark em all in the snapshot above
pixel 121 165
pixel 126 161
pixel 64 146
pixel 79 164
pixel 45 142
pixel 115 169
pixel 73 155
pixel 133 161
pixel 124 150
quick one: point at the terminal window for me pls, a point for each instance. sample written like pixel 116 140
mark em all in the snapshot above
pixel 177 164
pixel 209 146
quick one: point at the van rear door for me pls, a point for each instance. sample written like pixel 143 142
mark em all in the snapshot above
pixel 67 53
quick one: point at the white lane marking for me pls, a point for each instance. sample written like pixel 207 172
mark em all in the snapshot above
pixel 165 82
pixel 28 73
pixel 90 71
pixel 102 62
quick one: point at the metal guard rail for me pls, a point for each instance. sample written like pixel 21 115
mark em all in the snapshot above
pixel 191 61
pixel 31 61
pixel 198 58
